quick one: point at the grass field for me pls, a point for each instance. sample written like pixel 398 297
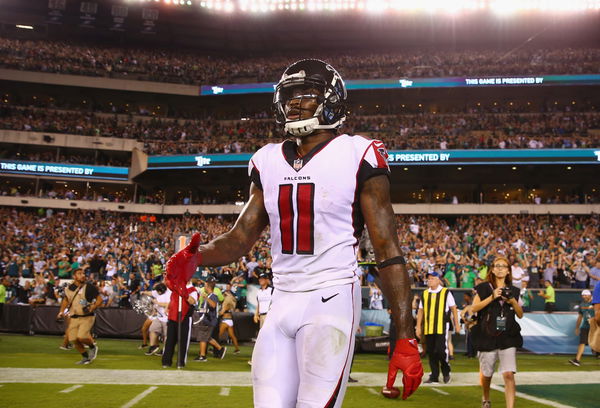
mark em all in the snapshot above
pixel 34 371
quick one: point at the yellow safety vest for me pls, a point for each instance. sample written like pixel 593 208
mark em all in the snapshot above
pixel 434 311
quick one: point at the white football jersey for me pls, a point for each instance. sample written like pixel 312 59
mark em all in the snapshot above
pixel 313 207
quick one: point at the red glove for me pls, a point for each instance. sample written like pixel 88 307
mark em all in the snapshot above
pixel 406 358
pixel 182 266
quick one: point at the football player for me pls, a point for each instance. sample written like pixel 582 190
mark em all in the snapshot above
pixel 316 190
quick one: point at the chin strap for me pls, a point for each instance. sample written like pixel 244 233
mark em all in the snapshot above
pixel 300 128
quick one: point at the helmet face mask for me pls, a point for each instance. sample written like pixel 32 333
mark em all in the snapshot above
pixel 308 81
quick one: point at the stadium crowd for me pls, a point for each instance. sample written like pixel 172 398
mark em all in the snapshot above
pixel 564 129
pixel 125 254
pixel 198 67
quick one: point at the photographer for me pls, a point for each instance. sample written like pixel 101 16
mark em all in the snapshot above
pixel 80 301
pixel 497 335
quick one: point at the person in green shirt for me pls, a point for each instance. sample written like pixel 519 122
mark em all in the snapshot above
pixel 526 296
pixel 64 268
pixel 483 271
pixel 3 287
pixel 216 290
pixel 156 269
pixel 450 279
pixel 549 295
pixel 467 277
pixel 582 327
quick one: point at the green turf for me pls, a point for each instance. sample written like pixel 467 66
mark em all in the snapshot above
pixel 108 396
pixel 42 352
pixel 575 395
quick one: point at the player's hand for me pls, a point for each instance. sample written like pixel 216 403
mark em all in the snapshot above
pixel 182 265
pixel 405 358
pixel 256 319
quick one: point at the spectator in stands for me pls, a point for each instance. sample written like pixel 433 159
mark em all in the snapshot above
pixel 202 67
pixel 580 271
pixel 38 293
pixel 375 297
pixel 518 274
pixel 550 297
pixel 23 293
pixel 594 274
pixel 526 296
pixel 239 289
pixel 5 284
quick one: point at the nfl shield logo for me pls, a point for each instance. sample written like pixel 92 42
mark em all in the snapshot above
pixel 298 164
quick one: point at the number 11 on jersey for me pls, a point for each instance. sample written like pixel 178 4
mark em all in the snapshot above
pixel 305 222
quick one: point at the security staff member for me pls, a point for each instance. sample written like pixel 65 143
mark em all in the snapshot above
pixel 79 303
pixel 434 312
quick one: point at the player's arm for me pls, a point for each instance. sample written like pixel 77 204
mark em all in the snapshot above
pixel 394 281
pixel 238 241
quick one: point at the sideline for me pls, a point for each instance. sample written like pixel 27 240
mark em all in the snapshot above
pixel 243 379
pixel 534 399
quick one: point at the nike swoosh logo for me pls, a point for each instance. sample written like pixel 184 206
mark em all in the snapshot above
pixel 329 298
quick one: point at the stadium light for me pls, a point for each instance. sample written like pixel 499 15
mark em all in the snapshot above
pixel 501 7
pixel 24 27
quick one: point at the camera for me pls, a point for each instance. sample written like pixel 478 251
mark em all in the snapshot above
pixel 85 306
pixel 506 292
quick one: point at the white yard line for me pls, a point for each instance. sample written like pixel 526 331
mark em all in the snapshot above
pixel 534 399
pixel 71 389
pixel 440 391
pixel 225 391
pixel 373 391
pixel 139 397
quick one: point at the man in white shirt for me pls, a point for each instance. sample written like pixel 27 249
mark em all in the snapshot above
pixel 517 274
pixel 158 327
pixel 263 299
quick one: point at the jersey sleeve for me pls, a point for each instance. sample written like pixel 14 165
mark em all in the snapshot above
pixel 374 162
pixel 254 172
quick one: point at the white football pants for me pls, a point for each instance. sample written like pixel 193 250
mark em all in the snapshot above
pixel 303 353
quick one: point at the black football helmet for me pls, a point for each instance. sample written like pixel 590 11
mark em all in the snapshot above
pixel 311 73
